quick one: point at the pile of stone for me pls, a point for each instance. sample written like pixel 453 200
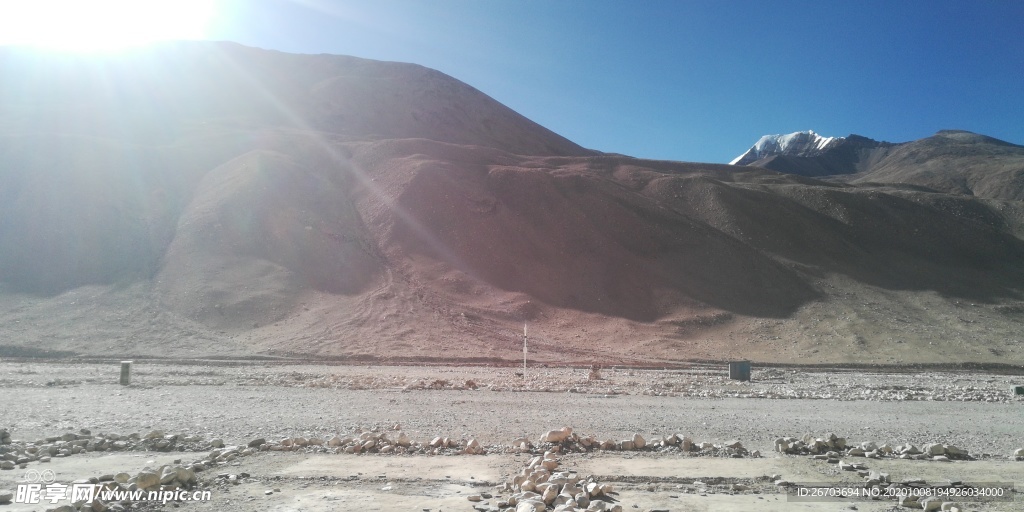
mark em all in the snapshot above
pixel 21 453
pixel 5 436
pixel 222 455
pixel 910 498
pixel 164 478
pixel 566 441
pixel 542 486
pixel 930 504
pixel 423 384
pixel 921 500
pixel 831 448
pixel 373 442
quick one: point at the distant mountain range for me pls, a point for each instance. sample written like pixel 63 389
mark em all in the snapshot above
pixel 951 161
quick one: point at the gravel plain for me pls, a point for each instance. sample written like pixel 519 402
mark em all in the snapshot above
pixel 495 405
pixel 978 412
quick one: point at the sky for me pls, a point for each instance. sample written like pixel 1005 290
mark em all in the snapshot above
pixel 668 79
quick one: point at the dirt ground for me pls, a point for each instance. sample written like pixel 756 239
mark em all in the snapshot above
pixel 237 403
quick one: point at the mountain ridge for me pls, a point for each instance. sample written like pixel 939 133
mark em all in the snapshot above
pixel 282 211
pixel 951 161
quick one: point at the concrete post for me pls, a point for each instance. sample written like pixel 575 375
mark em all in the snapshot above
pixel 739 370
pixel 126 373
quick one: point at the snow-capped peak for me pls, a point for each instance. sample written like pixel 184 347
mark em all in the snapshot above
pixel 805 143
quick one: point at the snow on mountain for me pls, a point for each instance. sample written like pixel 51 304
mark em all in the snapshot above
pixel 805 143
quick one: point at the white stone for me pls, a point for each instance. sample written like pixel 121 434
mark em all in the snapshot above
pixel 955 452
pixel 549 495
pixel 403 440
pixel 685 443
pixel 556 436
pixel 530 505
pixel 146 479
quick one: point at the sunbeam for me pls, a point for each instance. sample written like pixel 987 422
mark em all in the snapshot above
pixel 102 25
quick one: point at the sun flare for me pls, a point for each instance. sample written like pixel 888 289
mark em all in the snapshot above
pixel 99 25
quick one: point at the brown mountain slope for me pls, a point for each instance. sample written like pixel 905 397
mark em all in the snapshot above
pixel 956 162
pixel 229 231
pixel 259 230
pixel 160 92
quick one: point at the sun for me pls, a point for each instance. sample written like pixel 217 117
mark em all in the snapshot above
pixel 101 25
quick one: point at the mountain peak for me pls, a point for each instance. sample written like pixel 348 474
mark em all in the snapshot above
pixel 805 143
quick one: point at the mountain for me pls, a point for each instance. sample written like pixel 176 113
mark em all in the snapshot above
pixel 798 144
pixel 952 161
pixel 157 93
pixel 212 200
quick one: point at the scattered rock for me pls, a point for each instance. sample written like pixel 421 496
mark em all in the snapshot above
pixel 638 442
pixel 147 479
pixel 556 436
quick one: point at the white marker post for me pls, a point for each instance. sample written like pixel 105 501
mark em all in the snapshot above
pixel 524 350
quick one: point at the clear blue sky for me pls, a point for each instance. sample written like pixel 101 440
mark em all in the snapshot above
pixel 687 80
